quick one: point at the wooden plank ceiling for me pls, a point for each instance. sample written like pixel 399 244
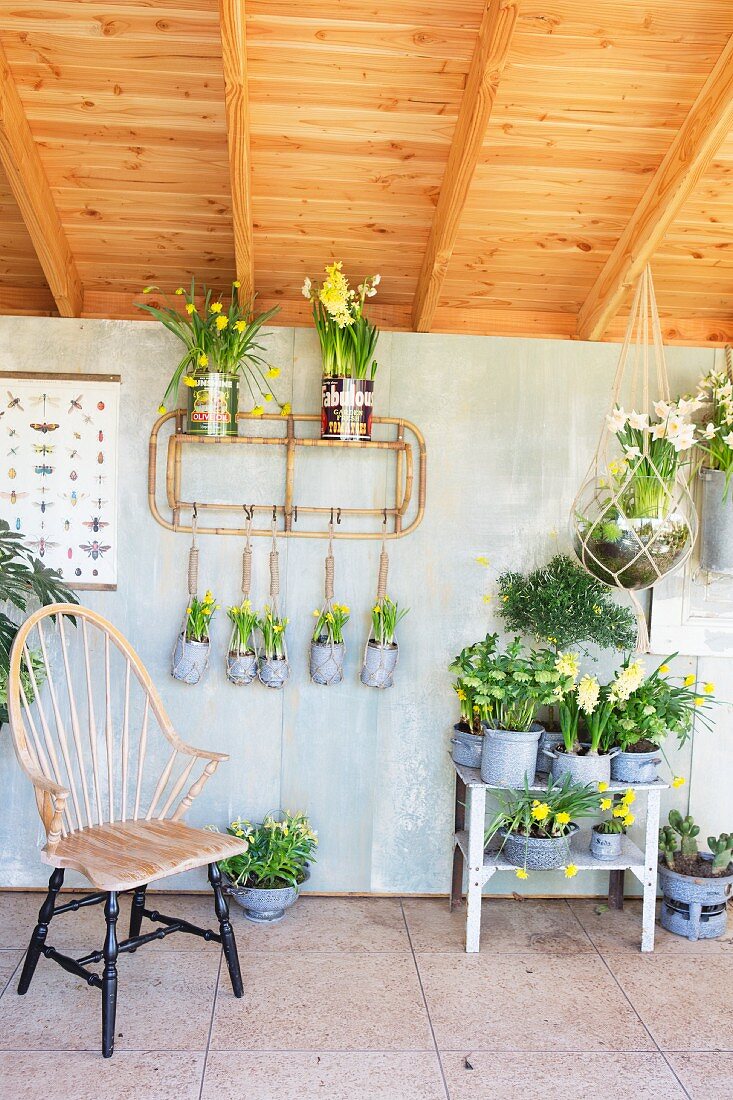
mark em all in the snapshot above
pixel 485 156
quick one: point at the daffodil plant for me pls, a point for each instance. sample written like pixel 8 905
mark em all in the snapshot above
pixel 715 440
pixel 217 341
pixel 244 622
pixel 386 617
pixel 330 623
pixel 199 614
pixel 620 815
pixel 348 339
pixel 273 635
pixel 278 852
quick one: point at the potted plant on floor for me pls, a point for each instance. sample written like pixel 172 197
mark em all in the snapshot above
pixel 715 441
pixel 273 667
pixel 266 879
pixel 382 650
pixel 242 654
pixel 646 710
pixel 327 644
pixel 696 885
pixel 348 342
pixel 536 829
pixel 605 836
pixel 222 345
pixel 191 653
pixel 511 687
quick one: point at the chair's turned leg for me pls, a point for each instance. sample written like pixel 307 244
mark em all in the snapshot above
pixel 109 974
pixel 227 933
pixel 136 913
pixel 40 932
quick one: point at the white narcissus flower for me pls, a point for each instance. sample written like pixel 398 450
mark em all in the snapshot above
pixel 709 432
pixel 376 280
pixel 616 420
pixel 659 431
pixel 306 290
pixel 688 405
pixel 632 452
pixel 639 421
pixel 728 439
pixel 683 439
pixel 663 409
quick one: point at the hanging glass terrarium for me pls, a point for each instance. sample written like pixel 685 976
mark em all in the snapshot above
pixel 633 520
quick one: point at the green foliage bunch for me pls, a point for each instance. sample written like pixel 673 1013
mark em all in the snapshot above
pixel 551 813
pixel 278 851
pixel 660 704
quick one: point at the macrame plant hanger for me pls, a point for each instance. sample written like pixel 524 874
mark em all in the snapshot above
pixel 242 655
pixel 327 658
pixel 190 658
pixel 380 661
pixel 274 672
pixel 632 522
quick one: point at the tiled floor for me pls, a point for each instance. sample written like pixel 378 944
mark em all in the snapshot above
pixel 374 999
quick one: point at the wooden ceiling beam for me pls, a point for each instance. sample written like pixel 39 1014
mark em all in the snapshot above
pixel 27 180
pixel 234 56
pixel 487 64
pixel 701 135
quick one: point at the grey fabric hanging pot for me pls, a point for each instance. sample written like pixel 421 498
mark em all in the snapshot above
pixel 467 747
pixel 327 662
pixel 190 660
pixel 604 845
pixel 380 661
pixel 241 668
pixel 274 672
pixel 537 853
pixel 716 533
pixel 509 756
pixel 584 769
pixel 636 767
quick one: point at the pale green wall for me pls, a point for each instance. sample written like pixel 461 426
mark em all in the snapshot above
pixel 510 427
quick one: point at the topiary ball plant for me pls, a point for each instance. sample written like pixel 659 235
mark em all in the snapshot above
pixel 560 606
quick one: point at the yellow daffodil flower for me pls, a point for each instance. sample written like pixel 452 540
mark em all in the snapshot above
pixel 629 797
pixel 678 781
pixel 664 669
pixel 273 372
pixel 619 810
pixel 215 307
pixel 709 689
pixel 147 289
pixel 190 308
pixel 257 410
pixel 562 818
pixel 541 811
pixel 699 701
pixel 267 396
pixel 203 360
pixel 602 787
pixel 179 290
pixel 240 326
pixel 221 322
pixel 596 609
pixel 161 409
pixel 482 560
pixel 571 870
pixel 521 873
pixel 689 680
pixel 487 598
pixel 286 409
pixel 606 803
pixel 189 381
pixel 628 820
pixel 316 613
pixel 236 284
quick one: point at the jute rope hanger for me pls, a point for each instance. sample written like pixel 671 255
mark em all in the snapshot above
pixel 329 670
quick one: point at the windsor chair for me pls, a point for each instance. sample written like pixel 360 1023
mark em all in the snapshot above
pixel 86 720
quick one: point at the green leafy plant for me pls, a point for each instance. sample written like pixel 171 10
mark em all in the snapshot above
pixel 273 635
pixel 560 605
pixel 199 614
pixel 512 685
pixel 24 580
pixel 278 852
pixel 348 339
pixel 648 709
pixel 217 340
pixel 330 624
pixel 244 623
pixel 619 810
pixel 386 617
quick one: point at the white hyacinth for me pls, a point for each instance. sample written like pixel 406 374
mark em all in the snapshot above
pixel 588 691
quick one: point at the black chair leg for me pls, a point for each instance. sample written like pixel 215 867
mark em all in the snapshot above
pixel 136 913
pixel 38 939
pixel 227 932
pixel 109 974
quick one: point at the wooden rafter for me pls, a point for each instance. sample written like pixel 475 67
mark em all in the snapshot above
pixel 697 141
pixel 27 180
pixel 487 64
pixel 234 55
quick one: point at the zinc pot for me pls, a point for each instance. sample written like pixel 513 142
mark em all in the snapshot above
pixel 327 662
pixel 190 660
pixel 380 661
pixel 241 668
pixel 604 845
pixel 467 747
pixel 213 402
pixel 508 756
pixel 584 769
pixel 635 767
pixel 549 739
pixel 346 408
pixel 274 672
pixel 716 533
pixel 694 907
pixel 264 906
pixel 537 853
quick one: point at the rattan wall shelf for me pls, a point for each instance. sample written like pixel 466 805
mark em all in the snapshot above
pixel 390 521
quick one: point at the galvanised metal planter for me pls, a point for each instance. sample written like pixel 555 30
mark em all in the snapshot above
pixel 549 739
pixel 241 668
pixel 346 408
pixel 537 853
pixel 264 906
pixel 190 660
pixel 327 662
pixel 273 673
pixel 509 756
pixel 716 532
pixel 694 907
pixel 635 767
pixel 604 845
pixel 584 769
pixel 467 747
pixel 213 402
pixel 380 661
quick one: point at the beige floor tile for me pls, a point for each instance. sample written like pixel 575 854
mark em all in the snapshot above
pixel 8 965
pixel 620 930
pixel 328 924
pixel 314 1000
pixel 686 1002
pixel 560 1076
pixel 163 1002
pixel 138 1075
pixel 527 1002
pixel 506 926
pixel 706 1076
pixel 346 1075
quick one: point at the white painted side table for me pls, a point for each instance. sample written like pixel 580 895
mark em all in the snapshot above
pixel 470 820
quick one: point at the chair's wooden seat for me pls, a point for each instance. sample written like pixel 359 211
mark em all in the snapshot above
pixel 125 854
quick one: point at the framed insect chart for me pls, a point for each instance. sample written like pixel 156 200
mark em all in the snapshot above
pixel 58 470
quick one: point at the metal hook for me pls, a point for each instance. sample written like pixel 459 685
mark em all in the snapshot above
pixel 338 515
pixel 295 513
pixel 195 512
pixel 274 514
pixel 331 519
pixel 384 521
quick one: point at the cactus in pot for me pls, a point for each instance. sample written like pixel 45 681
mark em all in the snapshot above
pixel 722 850
pixel 668 845
pixel 687 831
pixel 696 886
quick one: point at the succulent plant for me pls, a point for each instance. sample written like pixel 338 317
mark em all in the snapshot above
pixel 687 830
pixel 722 849
pixel 668 845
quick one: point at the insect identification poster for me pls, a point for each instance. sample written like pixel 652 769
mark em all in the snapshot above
pixel 58 470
